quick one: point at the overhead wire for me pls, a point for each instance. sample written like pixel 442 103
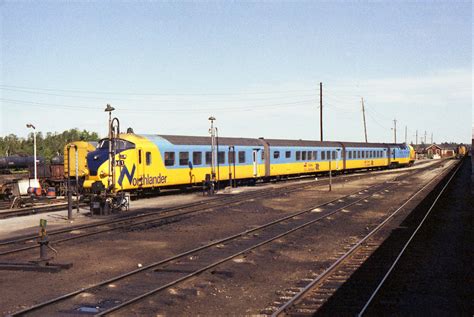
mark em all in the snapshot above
pixel 242 98
pixel 196 109
pixel 154 93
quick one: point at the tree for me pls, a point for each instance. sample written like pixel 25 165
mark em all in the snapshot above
pixel 47 146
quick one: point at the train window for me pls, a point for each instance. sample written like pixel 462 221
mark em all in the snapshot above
pixel 197 158
pixel 169 158
pixel 263 155
pixel 118 143
pixel 208 158
pixel 298 155
pixel 350 154
pixel 323 155
pixel 333 155
pixel 148 158
pixel 363 154
pixel 183 158
pixel 276 154
pixel 303 155
pixel 139 156
pixel 288 154
pixel 315 155
pixel 241 157
pixel 310 155
pixel 231 157
pixel 221 157
pixel 328 155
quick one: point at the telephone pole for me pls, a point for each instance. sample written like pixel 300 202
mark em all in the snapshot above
pixel 363 115
pixel 321 109
pixel 395 130
pixel 425 136
pixel 416 137
pixel 431 137
pixel 406 131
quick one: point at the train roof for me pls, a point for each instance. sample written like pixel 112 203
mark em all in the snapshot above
pixel 206 140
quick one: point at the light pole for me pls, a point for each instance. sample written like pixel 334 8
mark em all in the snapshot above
pixel 109 109
pixel 212 132
pixel 29 125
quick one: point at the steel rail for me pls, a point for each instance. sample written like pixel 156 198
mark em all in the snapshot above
pixel 369 301
pixel 140 297
pixel 220 241
pixel 136 216
pixel 331 268
pixel 221 201
pixel 194 204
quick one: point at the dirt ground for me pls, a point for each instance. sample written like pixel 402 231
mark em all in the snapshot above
pixel 247 285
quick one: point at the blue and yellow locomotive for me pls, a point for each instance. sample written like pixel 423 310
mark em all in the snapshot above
pixel 156 161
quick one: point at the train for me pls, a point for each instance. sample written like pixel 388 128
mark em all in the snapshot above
pixel 16 162
pixel 51 174
pixel 461 150
pixel 150 162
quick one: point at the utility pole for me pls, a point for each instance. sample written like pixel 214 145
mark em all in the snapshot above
pixel 363 115
pixel 425 136
pixel 395 130
pixel 406 136
pixel 431 137
pixel 416 137
pixel 321 109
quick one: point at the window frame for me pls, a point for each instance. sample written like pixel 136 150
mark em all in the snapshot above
pixel 197 154
pixel 148 158
pixel 167 160
pixel 183 156
pixel 242 158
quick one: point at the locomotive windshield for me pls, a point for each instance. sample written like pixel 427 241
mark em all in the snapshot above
pixel 119 144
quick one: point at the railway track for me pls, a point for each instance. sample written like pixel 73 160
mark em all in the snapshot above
pixel 133 286
pixel 150 217
pixel 124 290
pixel 6 212
pixel 309 299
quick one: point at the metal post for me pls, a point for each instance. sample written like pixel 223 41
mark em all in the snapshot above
pixel 321 110
pixel 406 135
pixel 363 115
pixel 416 137
pixel 218 166
pixel 34 155
pixel 230 166
pixel 394 130
pixel 235 158
pixel 213 146
pixel 69 194
pixel 330 170
pixel 77 178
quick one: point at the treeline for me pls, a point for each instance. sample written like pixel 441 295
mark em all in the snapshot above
pixel 47 146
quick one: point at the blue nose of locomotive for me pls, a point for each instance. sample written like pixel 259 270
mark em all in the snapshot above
pixel 95 159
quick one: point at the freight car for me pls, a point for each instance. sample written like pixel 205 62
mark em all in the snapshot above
pixel 15 162
pixel 157 161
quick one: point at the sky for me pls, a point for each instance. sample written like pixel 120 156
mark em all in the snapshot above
pixel 255 66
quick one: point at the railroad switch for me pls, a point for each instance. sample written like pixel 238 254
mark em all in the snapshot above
pixel 43 264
